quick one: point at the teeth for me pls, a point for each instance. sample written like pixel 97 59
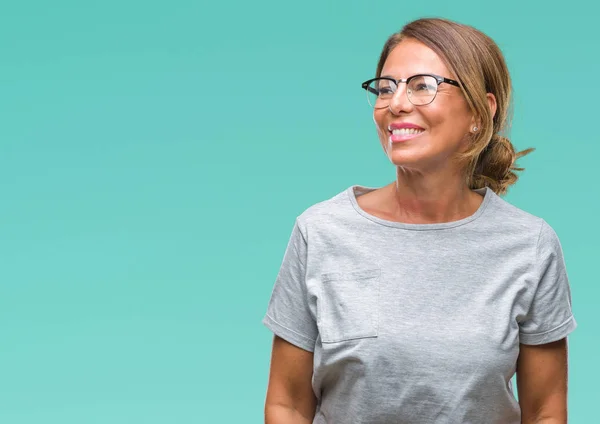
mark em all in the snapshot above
pixel 406 131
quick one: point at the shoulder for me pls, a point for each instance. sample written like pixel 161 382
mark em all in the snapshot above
pixel 326 212
pixel 520 225
pixel 517 227
pixel 514 219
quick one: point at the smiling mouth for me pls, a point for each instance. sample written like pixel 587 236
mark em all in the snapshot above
pixel 399 135
pixel 406 131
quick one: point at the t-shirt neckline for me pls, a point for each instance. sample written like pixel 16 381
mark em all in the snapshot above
pixel 357 190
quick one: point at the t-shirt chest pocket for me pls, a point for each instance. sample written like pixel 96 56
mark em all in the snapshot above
pixel 348 305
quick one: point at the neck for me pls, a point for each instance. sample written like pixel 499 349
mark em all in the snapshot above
pixel 424 199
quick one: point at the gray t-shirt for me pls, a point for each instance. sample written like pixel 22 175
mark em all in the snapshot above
pixel 418 323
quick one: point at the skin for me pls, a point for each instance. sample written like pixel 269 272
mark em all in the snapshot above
pixel 429 188
pixel 290 398
pixel 542 383
pixel 429 185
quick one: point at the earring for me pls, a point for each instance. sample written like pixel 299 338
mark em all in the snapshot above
pixel 475 129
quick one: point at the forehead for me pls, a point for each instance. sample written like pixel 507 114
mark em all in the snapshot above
pixel 412 57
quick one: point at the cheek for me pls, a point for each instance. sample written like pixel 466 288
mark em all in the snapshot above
pixel 449 126
pixel 379 120
pixel 435 118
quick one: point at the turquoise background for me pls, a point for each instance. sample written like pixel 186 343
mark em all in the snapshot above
pixel 154 155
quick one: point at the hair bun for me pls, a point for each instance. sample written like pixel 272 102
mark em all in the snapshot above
pixel 496 165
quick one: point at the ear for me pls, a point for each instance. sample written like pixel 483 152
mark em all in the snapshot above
pixel 492 103
pixel 493 107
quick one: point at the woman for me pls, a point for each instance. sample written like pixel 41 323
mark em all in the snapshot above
pixel 418 301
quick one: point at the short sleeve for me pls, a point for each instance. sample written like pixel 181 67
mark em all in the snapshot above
pixel 288 314
pixel 549 317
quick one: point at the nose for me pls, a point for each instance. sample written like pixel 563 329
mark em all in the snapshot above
pixel 399 102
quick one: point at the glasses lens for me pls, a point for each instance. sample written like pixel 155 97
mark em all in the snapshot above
pixel 380 92
pixel 422 90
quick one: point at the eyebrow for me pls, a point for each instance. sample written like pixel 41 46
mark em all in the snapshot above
pixel 418 73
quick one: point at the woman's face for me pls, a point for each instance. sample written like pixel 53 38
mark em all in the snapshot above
pixel 443 125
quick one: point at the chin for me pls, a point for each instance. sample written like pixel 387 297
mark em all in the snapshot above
pixel 400 156
pixel 403 160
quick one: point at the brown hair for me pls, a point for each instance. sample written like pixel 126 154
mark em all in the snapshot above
pixel 479 65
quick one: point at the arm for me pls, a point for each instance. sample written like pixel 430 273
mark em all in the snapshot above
pixel 542 383
pixel 290 397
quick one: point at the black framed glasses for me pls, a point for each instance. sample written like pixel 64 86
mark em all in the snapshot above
pixel 421 89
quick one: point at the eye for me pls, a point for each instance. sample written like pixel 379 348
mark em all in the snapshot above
pixel 385 88
pixel 423 87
